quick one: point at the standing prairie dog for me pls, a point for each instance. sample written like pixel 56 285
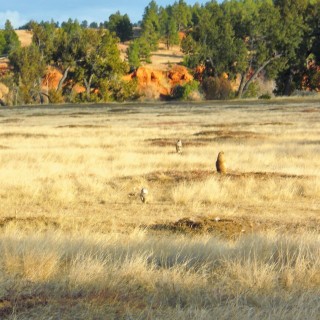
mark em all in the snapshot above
pixel 221 163
pixel 143 195
pixel 179 146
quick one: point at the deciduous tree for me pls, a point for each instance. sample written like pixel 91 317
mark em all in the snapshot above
pixel 28 68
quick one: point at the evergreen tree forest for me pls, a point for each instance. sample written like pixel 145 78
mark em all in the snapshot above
pixel 232 39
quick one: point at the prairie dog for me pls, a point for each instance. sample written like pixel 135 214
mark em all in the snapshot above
pixel 179 146
pixel 143 195
pixel 221 163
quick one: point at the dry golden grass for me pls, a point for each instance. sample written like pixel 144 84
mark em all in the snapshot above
pixel 25 37
pixel 78 243
pixel 164 57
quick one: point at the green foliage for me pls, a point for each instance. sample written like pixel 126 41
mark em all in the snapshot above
pixel 84 24
pixel 2 42
pixel 252 91
pixel 191 49
pixel 8 81
pixel 98 58
pixel 67 43
pixel 306 13
pixel 171 35
pixel 184 92
pixel 133 53
pixel 217 88
pixel 151 25
pixel 43 37
pixel 181 15
pixel 138 51
pixel 9 40
pixel 237 37
pixel 121 25
pixel 245 37
pixel 124 91
pixel 265 96
pixel 55 96
pixel 93 25
pixel 28 68
pixel 112 90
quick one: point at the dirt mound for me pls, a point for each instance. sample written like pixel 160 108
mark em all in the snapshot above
pixel 225 228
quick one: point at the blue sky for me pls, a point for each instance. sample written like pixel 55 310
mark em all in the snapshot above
pixel 22 11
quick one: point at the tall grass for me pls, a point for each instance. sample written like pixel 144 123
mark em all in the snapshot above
pixel 267 273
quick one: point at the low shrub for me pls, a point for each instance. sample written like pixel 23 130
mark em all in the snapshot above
pixel 265 96
pixel 186 91
pixel 217 88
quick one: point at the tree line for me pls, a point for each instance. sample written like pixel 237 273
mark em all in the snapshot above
pixel 232 39
pixel 280 38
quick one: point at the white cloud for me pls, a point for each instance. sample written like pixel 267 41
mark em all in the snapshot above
pixel 14 17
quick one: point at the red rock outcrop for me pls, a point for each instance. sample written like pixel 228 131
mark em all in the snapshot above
pixel 155 84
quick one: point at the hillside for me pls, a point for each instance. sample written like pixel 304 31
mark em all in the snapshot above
pixel 155 80
pixel 159 59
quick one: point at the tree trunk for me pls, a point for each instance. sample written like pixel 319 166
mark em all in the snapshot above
pixel 88 86
pixel 287 88
pixel 242 83
pixel 40 91
pixel 256 73
pixel 62 80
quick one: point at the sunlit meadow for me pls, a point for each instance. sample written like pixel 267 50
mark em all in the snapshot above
pixel 77 242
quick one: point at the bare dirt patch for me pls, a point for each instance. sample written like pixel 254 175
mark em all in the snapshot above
pixel 23 135
pixel 275 123
pixel 311 110
pixel 165 142
pixel 15 120
pixel 225 228
pixel 30 223
pixel 83 126
pixel 266 175
pixel 200 175
pixel 229 135
pixel 24 302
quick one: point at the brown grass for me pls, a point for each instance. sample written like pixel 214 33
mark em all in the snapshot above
pixel 78 243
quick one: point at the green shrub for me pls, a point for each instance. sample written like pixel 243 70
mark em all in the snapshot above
pixel 266 96
pixel 184 92
pixel 252 91
pixel 55 96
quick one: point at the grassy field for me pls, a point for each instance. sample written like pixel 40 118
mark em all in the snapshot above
pixel 77 242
